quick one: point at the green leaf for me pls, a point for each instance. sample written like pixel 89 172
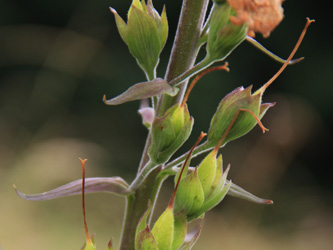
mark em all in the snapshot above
pixel 143 90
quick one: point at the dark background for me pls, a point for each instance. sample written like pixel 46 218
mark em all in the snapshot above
pixel 57 60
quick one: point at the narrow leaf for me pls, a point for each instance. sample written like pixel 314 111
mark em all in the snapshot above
pixel 114 185
pixel 239 192
pixel 143 90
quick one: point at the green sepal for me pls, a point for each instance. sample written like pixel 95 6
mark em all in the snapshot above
pixel 213 201
pixel 169 133
pixel 145 34
pixel 220 186
pixel 183 174
pixel 91 245
pixel 163 230
pixel 238 99
pixel 207 171
pixel 140 5
pixel 121 25
pixel 145 240
pixel 160 21
pixel 218 173
pixel 164 27
pixel 264 107
pixel 143 40
pixel 190 195
pixel 223 35
pixel 180 229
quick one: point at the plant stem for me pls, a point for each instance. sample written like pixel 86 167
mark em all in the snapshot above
pixel 195 69
pixel 145 156
pixel 136 205
pixel 185 48
pixel 197 151
pixel 142 175
pixel 182 58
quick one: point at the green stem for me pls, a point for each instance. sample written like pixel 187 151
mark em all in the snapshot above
pixel 197 151
pixel 192 71
pixel 142 175
pixel 136 205
pixel 182 58
pixel 185 48
pixel 145 156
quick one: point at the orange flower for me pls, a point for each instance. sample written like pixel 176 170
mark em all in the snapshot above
pixel 260 15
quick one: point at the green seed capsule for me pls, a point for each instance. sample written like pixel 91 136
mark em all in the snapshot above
pixel 190 195
pixel 169 132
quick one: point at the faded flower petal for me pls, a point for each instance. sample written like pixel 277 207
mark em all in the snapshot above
pixel 260 15
pixel 148 115
pixel 114 185
pixel 192 237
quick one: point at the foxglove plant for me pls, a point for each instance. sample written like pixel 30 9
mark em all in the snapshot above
pixel 165 113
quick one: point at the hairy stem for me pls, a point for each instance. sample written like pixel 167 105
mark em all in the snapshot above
pixel 136 205
pixel 182 58
pixel 185 48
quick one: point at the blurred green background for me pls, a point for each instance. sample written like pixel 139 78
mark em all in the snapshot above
pixel 57 60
